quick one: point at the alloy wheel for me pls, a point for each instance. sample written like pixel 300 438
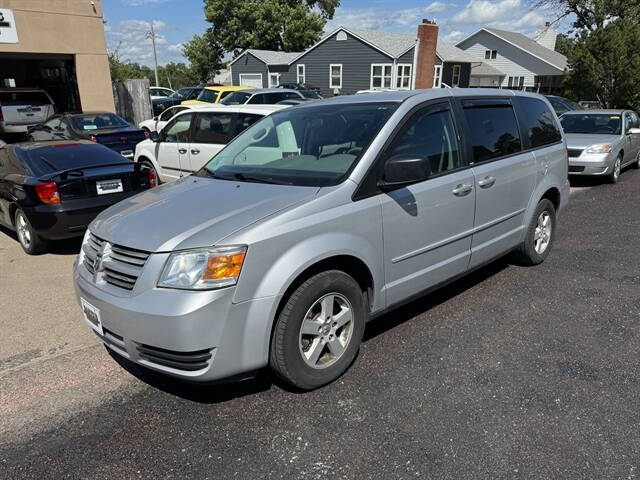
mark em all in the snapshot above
pixel 23 230
pixel 616 169
pixel 542 235
pixel 326 330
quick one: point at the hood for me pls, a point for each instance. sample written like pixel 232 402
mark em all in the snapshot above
pixel 193 212
pixel 584 140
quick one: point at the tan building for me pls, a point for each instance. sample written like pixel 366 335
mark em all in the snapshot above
pixel 57 45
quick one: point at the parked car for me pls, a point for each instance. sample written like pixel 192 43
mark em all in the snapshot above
pixel 176 98
pixel 294 101
pixel 105 128
pixel 562 105
pixel 590 104
pixel 21 108
pixel 316 219
pixel 214 94
pixel 299 86
pixel 159 92
pixel 192 137
pixel 260 96
pixel 52 190
pixel 156 123
pixel 602 142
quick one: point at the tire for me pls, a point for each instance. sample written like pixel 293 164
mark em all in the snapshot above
pixel 150 165
pixel 614 176
pixel 29 240
pixel 534 250
pixel 326 348
pixel 636 164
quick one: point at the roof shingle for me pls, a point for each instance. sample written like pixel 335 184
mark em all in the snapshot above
pixel 530 45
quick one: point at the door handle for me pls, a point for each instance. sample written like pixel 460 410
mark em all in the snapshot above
pixel 195 151
pixel 462 190
pixel 182 151
pixel 487 182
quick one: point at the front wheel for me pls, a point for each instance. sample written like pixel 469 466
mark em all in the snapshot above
pixel 636 164
pixel 318 333
pixel 29 240
pixel 152 168
pixel 540 235
pixel 617 168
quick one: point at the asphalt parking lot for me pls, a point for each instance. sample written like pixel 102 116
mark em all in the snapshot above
pixel 512 372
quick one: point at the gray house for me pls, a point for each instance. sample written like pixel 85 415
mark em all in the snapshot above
pixel 348 60
pixel 513 60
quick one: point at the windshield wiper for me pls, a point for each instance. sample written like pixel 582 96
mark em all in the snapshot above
pixel 250 178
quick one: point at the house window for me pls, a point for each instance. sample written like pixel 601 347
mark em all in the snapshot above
pixel 274 79
pixel 381 74
pixel 403 76
pixel 335 76
pixel 490 54
pixel 341 36
pixel 300 70
pixel 437 76
pixel 516 82
pixel 455 78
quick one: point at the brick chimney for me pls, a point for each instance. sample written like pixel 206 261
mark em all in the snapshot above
pixel 426 61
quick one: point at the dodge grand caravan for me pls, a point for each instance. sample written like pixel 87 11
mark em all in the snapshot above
pixel 316 219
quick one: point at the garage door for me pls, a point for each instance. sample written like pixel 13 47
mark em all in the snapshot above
pixel 251 80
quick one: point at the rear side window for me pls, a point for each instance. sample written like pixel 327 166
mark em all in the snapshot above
pixel 35 99
pixel 493 128
pixel 538 124
pixel 212 128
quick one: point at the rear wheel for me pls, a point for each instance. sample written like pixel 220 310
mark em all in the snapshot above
pixel 617 168
pixel 148 164
pixel 540 235
pixel 29 240
pixel 318 333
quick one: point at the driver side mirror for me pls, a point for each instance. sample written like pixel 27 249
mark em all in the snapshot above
pixel 634 131
pixel 402 170
pixel 154 136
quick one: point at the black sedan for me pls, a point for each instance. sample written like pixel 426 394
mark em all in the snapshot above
pixel 53 190
pixel 100 127
pixel 176 98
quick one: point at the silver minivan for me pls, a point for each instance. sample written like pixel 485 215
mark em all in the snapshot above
pixel 315 220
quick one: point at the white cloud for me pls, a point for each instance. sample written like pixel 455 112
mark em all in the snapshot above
pixel 455 36
pixel 486 11
pixel 383 19
pixel 131 39
pixel 138 3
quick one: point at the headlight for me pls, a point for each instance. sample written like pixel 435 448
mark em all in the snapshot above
pixel 203 268
pixel 85 239
pixel 599 148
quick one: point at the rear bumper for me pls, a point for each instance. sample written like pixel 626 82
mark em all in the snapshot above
pixel 72 217
pixel 12 128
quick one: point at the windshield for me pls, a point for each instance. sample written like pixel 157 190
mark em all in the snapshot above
pixel 35 99
pixel 592 123
pixel 97 121
pixel 207 95
pixel 304 146
pixel 236 98
pixel 182 93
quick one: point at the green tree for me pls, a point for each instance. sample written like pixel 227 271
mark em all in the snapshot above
pixel 605 64
pixel 592 14
pixel 287 25
pixel 204 54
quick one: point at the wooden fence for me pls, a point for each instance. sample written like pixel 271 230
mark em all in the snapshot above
pixel 132 100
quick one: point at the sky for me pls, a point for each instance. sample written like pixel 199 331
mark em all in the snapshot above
pixel 176 21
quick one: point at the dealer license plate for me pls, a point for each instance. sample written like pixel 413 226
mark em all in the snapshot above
pixel 92 316
pixel 109 186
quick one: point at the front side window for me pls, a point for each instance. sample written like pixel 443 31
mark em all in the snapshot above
pixel 177 131
pixel 313 146
pixel 455 78
pixel 301 74
pixel 430 134
pixel 592 123
pixel 538 123
pixel 170 112
pixel 437 76
pixel 493 128
pixel 236 98
pixel 403 77
pixel 212 127
pixel 335 76
pixel 381 75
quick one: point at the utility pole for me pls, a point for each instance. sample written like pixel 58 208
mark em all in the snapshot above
pixel 152 35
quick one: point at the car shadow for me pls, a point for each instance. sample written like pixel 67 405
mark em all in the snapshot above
pixel 60 247
pixel 264 379
pixel 579 182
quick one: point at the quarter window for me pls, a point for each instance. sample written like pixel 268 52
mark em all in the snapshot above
pixel 403 76
pixel 212 128
pixel 493 128
pixel 430 134
pixel 538 123
pixel 178 129
pixel 335 76
pixel 301 74
pixel 381 75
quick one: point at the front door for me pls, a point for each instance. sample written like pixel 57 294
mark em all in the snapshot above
pixel 505 177
pixel 172 149
pixel 427 226
pixel 211 132
pixel 631 142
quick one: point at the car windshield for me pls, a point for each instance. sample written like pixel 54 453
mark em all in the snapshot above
pixel 313 146
pixel 208 95
pixel 97 121
pixel 35 99
pixel 236 98
pixel 592 123
pixel 182 93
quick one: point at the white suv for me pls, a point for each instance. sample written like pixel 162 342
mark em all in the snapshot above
pixel 21 108
pixel 192 137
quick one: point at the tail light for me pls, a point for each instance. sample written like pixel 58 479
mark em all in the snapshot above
pixel 153 178
pixel 48 193
pixel 147 134
pixel 55 109
pixel 93 138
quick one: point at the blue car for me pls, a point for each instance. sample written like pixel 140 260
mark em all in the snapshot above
pixel 105 128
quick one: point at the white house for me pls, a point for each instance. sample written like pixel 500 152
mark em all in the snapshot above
pixel 513 60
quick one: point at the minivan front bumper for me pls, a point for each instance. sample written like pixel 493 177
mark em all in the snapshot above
pixel 200 336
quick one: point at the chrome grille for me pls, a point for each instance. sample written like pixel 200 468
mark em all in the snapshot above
pixel 114 264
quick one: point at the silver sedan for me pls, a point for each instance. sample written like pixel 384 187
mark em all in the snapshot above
pixel 602 142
